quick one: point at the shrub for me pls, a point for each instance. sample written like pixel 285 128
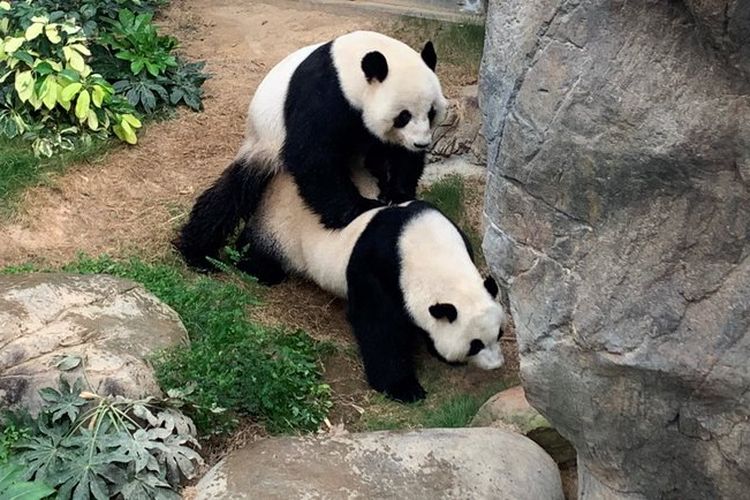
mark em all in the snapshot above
pixel 58 60
pixel 86 445
pixel 12 485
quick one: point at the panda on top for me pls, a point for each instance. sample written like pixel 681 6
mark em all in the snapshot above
pixel 406 270
pixel 319 110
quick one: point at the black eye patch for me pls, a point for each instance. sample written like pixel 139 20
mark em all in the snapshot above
pixel 402 119
pixel 431 114
pixel 475 346
pixel 500 334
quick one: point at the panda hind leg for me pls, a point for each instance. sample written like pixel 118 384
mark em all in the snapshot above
pixel 258 261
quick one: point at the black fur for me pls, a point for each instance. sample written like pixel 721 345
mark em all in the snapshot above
pixel 429 56
pixel 257 260
pixel 444 311
pixel 397 171
pixel 324 136
pixel 491 286
pixel 218 210
pixel 374 66
pixel 384 329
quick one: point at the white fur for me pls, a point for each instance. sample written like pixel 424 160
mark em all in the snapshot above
pixel 410 84
pixel 435 267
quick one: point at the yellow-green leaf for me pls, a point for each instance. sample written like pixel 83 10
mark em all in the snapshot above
pixel 40 19
pixel 70 91
pixel 51 32
pixel 4 5
pixel 80 48
pixel 13 44
pixel 132 120
pixel 83 104
pixel 75 60
pixel 93 121
pixel 34 31
pixel 125 132
pixel 24 85
pixel 65 104
pixel 51 90
pixel 97 95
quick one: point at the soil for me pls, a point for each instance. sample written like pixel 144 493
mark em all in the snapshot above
pixel 131 200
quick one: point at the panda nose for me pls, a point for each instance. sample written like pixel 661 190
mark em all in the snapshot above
pixel 421 145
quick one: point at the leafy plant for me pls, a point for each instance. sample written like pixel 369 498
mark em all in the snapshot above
pixel 12 485
pixel 87 445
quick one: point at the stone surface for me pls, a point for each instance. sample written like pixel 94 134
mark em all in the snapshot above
pixel 461 131
pixel 618 215
pixel 509 410
pixel 112 325
pixel 427 464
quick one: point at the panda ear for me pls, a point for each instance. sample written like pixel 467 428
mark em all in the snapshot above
pixel 429 56
pixel 444 311
pixel 491 286
pixel 375 66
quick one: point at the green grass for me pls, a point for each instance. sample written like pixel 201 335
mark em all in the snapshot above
pixel 449 195
pixel 458 44
pixel 269 374
pixel 19 168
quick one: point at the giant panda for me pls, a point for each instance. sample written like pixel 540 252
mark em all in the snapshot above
pixel 323 107
pixel 406 270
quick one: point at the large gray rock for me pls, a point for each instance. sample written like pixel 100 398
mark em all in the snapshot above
pixel 618 207
pixel 428 464
pixel 102 325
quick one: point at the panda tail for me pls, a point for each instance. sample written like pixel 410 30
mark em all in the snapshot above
pixel 219 209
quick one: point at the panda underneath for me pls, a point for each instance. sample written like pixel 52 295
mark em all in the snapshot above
pixel 321 109
pixel 407 272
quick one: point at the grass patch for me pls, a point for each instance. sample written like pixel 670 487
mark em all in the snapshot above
pixel 269 374
pixel 447 405
pixel 20 169
pixel 459 46
pixel 449 195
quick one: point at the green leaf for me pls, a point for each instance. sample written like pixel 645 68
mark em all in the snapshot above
pixel 13 44
pixel 69 362
pixel 13 488
pixel 24 85
pixel 70 74
pixel 92 120
pixel 97 94
pixel 70 91
pixel 83 104
pixel 34 31
pixel 125 132
pixel 132 120
pixel 52 35
pixel 24 56
pixel 52 89
pixel 43 68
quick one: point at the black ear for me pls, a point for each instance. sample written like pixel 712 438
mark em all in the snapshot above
pixel 375 66
pixel 491 286
pixel 447 311
pixel 429 56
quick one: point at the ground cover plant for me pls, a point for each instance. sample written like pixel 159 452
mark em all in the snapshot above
pixel 88 446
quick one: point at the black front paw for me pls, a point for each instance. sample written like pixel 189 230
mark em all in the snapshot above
pixel 406 392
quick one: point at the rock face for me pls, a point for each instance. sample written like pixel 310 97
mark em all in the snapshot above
pixel 461 131
pixel 110 325
pixel 618 210
pixel 509 410
pixel 428 464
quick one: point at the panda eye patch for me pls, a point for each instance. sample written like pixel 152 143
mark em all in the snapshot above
pixel 431 114
pixel 402 119
pixel 475 346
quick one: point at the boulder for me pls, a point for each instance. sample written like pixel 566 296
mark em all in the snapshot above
pixel 509 410
pixel 425 464
pixel 618 216
pixel 62 324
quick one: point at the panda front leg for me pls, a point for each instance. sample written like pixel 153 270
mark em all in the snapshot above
pixel 385 338
pixel 256 260
pixel 328 189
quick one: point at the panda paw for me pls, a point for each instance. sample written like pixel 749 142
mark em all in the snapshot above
pixel 406 392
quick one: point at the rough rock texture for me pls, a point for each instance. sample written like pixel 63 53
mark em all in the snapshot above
pixel 618 210
pixel 428 464
pixel 509 410
pixel 461 131
pixel 113 325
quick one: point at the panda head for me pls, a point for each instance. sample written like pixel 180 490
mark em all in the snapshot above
pixel 469 332
pixel 402 101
